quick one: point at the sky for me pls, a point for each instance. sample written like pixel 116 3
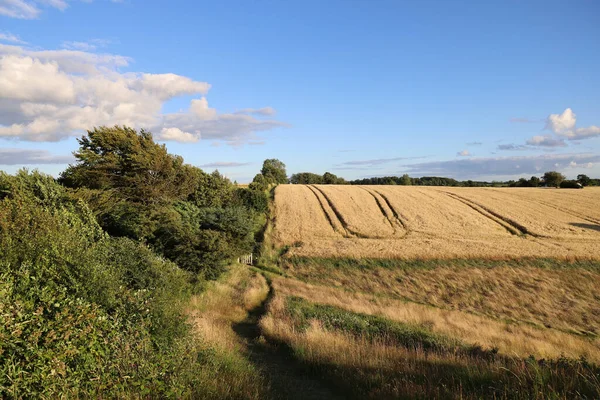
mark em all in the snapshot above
pixel 482 90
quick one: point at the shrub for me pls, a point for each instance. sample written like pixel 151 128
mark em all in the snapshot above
pixel 570 185
pixel 82 314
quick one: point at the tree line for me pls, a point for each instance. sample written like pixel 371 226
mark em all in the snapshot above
pixel 549 179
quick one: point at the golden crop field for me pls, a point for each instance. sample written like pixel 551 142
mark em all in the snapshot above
pixel 407 222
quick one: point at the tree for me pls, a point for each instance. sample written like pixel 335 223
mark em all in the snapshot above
pixel 306 178
pixel 259 183
pixel 405 180
pixel 584 180
pixel 274 171
pixel 130 162
pixel 331 179
pixel 534 181
pixel 553 178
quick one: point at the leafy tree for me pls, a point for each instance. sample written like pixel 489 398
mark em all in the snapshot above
pixel 274 171
pixel 212 190
pixel 259 183
pixel 306 178
pixel 132 163
pixel 405 180
pixel 534 181
pixel 584 180
pixel 553 178
pixel 331 179
pixel 570 185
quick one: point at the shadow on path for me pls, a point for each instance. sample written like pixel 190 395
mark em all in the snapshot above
pixel 288 379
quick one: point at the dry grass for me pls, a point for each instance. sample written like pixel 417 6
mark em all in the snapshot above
pixel 564 297
pixel 437 223
pixel 224 303
pixel 371 368
pixel 511 339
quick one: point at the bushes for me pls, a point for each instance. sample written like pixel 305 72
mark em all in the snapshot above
pixel 570 185
pixel 204 240
pixel 81 314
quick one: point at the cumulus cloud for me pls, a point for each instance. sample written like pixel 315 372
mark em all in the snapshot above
pixel 546 141
pixel 476 167
pixel 48 95
pixel 224 164
pixel 565 125
pixel 31 157
pixel 464 153
pixel 177 135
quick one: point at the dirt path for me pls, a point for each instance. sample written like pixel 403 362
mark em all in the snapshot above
pixel 287 378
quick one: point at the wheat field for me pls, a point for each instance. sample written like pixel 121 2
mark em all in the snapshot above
pixel 407 222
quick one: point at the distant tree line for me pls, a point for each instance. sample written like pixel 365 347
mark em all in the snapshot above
pixel 550 179
pixel 308 178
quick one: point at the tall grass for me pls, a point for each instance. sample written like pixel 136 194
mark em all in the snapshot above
pixel 375 358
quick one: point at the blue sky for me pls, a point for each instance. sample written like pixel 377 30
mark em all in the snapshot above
pixel 469 89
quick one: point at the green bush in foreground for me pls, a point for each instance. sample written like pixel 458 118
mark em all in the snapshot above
pixel 83 314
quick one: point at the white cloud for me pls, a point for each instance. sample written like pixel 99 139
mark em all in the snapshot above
pixel 29 9
pixel 19 9
pixel 200 108
pixel 546 141
pixel 464 153
pixel 564 125
pixel 48 95
pixel 10 38
pixel 177 135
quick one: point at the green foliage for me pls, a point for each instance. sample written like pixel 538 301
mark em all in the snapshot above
pixel 274 171
pixel 131 162
pixel 405 180
pixel 306 178
pixel 212 190
pixel 371 327
pixel 584 180
pixel 138 190
pixel 259 183
pixel 256 200
pixel 82 314
pixel 553 178
pixel 570 185
pixel 204 240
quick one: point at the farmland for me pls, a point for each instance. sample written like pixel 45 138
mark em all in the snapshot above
pixel 437 223
pixel 406 292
